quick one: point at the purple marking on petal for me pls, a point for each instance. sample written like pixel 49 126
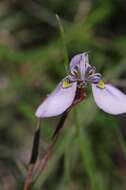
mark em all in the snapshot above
pixel 93 79
pixel 57 102
pixel 110 99
pixel 81 61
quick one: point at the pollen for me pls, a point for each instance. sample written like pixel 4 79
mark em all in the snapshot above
pixel 101 84
pixel 66 84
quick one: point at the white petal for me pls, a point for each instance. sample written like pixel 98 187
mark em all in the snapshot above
pixel 110 99
pixel 57 102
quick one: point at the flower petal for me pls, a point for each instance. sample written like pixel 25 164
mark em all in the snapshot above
pixel 109 99
pixel 58 101
pixel 81 61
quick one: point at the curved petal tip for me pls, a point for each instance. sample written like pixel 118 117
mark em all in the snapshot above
pixel 109 99
pixel 57 102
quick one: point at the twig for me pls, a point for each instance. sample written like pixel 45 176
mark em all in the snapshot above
pixel 60 124
pixel 47 155
pixel 34 155
pixel 44 160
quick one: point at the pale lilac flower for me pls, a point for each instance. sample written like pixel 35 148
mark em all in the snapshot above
pixel 71 90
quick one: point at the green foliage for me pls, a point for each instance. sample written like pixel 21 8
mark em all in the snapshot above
pixel 91 151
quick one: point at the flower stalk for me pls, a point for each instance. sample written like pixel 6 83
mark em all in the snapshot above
pixel 34 155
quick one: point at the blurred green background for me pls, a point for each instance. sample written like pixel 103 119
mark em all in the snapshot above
pixel 91 151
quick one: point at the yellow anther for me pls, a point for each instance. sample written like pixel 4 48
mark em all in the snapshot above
pixel 101 84
pixel 66 83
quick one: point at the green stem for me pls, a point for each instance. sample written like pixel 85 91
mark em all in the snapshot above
pixel 86 155
pixel 63 41
pixel 121 140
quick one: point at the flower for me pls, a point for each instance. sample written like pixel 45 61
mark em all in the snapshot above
pixel 71 90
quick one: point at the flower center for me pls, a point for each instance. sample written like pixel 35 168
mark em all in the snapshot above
pixel 90 76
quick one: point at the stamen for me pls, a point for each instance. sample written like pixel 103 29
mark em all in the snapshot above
pixel 101 84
